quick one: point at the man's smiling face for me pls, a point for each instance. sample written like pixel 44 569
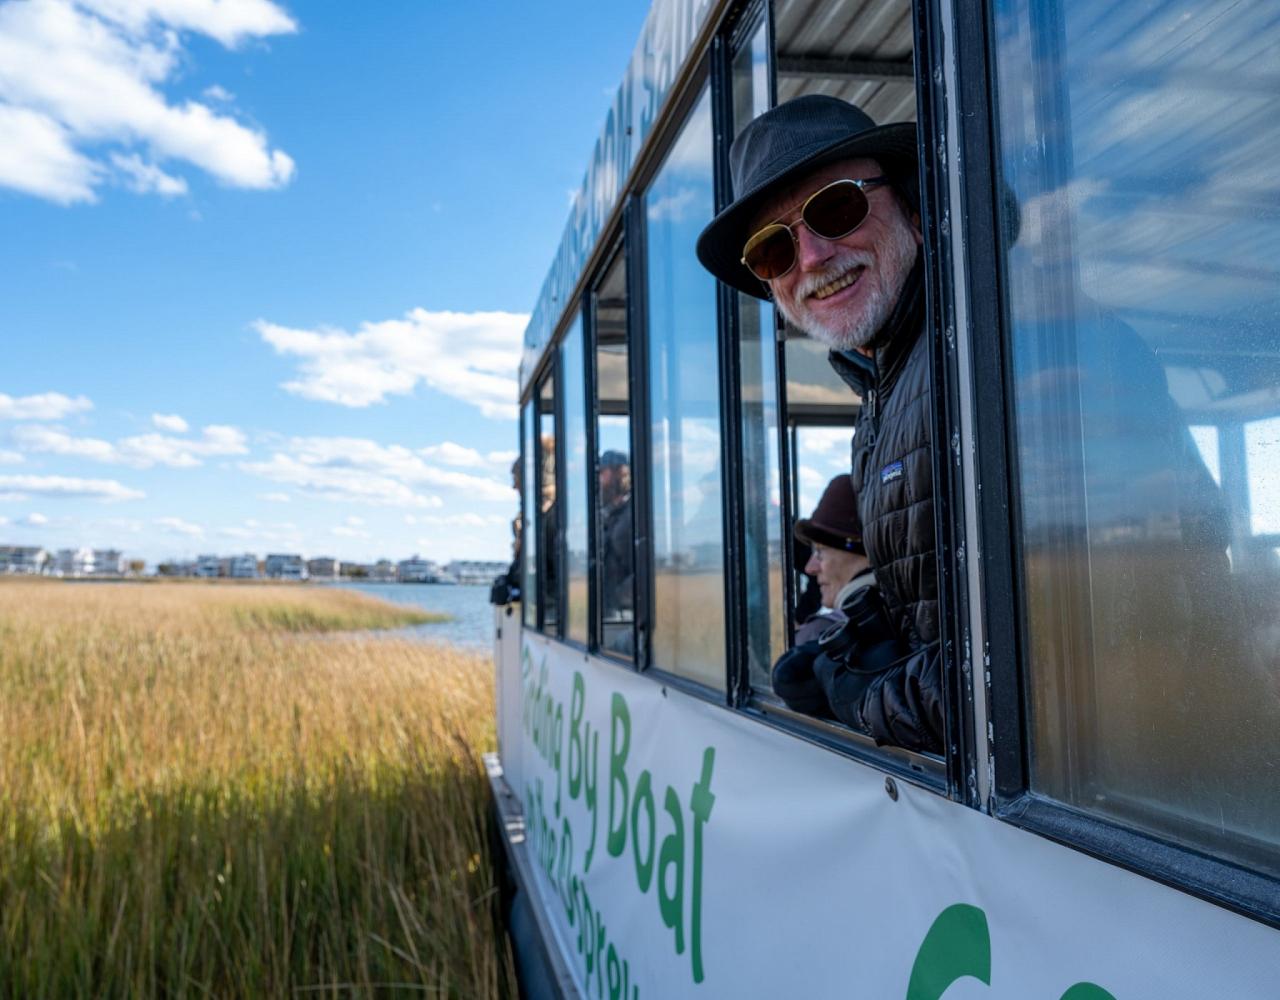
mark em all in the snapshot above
pixel 842 291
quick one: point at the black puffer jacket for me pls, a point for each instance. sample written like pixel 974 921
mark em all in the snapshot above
pixel 893 479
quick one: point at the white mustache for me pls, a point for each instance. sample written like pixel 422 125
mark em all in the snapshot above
pixel 836 269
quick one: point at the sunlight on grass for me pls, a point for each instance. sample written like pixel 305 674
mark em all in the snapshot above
pixel 197 800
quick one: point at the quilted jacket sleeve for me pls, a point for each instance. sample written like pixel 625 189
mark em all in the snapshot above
pixel 903 705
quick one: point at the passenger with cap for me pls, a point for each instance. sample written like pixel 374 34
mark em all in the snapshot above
pixel 825 222
pixel 617 547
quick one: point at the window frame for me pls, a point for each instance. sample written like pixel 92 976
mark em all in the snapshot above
pixel 617 247
pixel 704 75
pixel 551 372
pixel 998 538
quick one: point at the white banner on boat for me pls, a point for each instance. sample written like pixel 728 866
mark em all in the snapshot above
pixel 685 850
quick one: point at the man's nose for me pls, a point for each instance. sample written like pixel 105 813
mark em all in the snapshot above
pixel 812 566
pixel 812 251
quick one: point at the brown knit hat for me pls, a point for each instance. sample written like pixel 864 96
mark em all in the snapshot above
pixel 834 522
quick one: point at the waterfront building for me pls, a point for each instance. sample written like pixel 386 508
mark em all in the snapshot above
pixel 285 566
pixel 243 567
pixel 323 568
pixel 108 562
pixel 417 570
pixel 74 562
pixel 475 571
pixel 208 566
pixel 29 560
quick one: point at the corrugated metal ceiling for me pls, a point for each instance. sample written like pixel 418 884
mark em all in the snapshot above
pixel 857 50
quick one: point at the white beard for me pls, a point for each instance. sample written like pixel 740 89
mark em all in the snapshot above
pixel 845 333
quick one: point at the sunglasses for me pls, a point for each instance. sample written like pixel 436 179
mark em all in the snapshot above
pixel 831 212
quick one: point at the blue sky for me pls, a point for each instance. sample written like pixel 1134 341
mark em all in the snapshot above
pixel 267 265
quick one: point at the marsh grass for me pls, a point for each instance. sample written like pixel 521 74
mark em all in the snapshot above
pixel 198 798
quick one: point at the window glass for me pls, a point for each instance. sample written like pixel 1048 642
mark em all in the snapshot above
pixel 761 483
pixel 575 483
pixel 688 550
pixel 529 504
pixel 548 509
pixel 1138 143
pixel 615 521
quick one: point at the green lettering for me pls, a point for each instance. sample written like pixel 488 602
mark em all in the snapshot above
pixel 591 784
pixel 619 748
pixel 576 706
pixel 671 861
pixel 557 742
pixel 643 796
pixel 700 802
pixel 615 974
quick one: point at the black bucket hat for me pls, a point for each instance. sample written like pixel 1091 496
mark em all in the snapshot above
pixel 834 522
pixel 784 143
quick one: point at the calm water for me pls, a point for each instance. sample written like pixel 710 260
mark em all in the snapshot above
pixel 472 615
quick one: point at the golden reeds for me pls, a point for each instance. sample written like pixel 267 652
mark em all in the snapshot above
pixel 199 796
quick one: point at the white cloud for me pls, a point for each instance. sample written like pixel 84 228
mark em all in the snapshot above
pixel 354 521
pixel 3 521
pixel 43 406
pixel 147 178
pixel 10 457
pixel 282 534
pixel 469 356
pixel 34 521
pixel 177 526
pixel 468 520
pixel 141 451
pixel 21 487
pixel 363 471
pixel 81 86
pixel 37 157
pixel 275 497
pixel 343 531
pixel 170 422
pixel 453 454
pixel 218 93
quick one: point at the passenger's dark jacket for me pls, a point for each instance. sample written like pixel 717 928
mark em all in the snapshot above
pixel 893 480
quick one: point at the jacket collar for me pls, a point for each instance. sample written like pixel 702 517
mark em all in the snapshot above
pixel 892 344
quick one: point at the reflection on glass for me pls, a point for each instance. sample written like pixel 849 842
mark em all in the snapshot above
pixel 575 483
pixel 1138 143
pixel 688 547
pixel 548 509
pixel 528 535
pixel 761 470
pixel 615 543
pixel 751 80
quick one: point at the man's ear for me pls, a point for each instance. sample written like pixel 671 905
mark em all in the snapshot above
pixel 915 229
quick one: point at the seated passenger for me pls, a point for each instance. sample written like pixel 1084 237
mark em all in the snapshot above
pixel 839 563
pixel 617 540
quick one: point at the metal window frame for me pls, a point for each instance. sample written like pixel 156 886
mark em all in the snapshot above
pixel 994 536
pixel 617 244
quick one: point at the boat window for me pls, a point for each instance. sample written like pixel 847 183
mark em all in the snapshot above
pixel 1142 261
pixel 687 627
pixel 615 516
pixel 529 504
pixel 864 56
pixel 548 510
pixel 575 483
pixel 760 469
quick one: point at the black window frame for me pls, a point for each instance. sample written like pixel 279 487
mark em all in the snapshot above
pixel 939 776
pixel 551 371
pixel 1224 883
pixel 617 247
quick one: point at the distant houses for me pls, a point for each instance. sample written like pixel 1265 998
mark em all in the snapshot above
pixel 284 566
pixel 32 560
pixel 323 568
